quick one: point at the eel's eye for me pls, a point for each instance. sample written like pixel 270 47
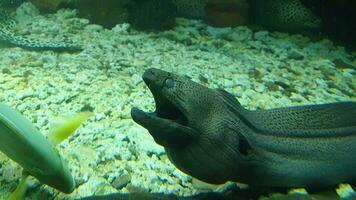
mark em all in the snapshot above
pixel 169 83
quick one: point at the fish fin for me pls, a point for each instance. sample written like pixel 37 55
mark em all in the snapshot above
pixel 230 100
pixel 345 191
pixel 321 120
pixel 298 191
pixel 66 127
pixel 20 191
pixel 309 117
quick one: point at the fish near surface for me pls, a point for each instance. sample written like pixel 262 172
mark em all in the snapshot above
pixel 209 135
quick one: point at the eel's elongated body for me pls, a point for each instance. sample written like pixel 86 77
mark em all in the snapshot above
pixel 207 134
pixel 7 36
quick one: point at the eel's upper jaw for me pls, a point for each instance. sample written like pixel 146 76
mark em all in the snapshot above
pixel 165 113
pixel 165 108
pixel 168 124
pixel 166 132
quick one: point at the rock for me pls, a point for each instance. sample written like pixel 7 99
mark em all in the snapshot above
pixel 26 11
pixel 272 86
pixel 203 79
pixel 262 36
pixel 96 184
pixel 296 55
pixel 340 63
pixel 137 186
pixel 218 33
pixel 10 171
pixel 121 28
pixel 240 34
pixel 121 180
pixel 143 143
pixel 87 157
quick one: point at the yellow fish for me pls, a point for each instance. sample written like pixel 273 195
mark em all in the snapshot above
pixel 24 144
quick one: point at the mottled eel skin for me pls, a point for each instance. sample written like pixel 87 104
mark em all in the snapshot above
pixel 7 36
pixel 207 134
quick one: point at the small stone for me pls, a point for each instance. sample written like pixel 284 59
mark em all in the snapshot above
pixel 121 181
pixel 297 98
pixel 296 55
pixel 240 34
pixel 339 63
pixel 283 85
pixel 136 79
pixel 228 83
pixel 203 79
pixel 87 107
pixel 255 73
pixel 218 33
pixel 272 86
pixel 262 36
pixel 99 116
pixel 121 28
pixel 94 28
pixel 137 187
pixel 6 71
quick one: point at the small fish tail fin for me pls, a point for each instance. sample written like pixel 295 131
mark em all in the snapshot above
pixel 20 191
pixel 66 127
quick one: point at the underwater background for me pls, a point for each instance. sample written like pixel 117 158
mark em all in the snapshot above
pixel 61 57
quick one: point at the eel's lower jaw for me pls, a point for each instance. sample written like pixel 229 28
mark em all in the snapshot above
pixel 166 132
pixel 150 120
pixel 143 118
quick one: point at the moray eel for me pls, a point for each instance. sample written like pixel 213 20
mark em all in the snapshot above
pixel 9 37
pixel 210 136
pixel 285 15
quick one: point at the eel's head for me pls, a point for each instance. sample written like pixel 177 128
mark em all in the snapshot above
pixel 179 108
pixel 194 125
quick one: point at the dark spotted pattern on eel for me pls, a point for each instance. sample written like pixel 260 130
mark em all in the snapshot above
pixel 209 135
pixel 9 37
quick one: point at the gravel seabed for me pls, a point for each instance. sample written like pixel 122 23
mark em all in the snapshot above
pixel 109 152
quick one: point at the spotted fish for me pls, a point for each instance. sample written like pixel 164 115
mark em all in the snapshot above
pixel 285 15
pixel 7 36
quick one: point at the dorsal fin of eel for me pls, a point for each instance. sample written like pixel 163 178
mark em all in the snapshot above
pixel 322 120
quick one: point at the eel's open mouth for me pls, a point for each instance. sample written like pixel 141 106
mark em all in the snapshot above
pixel 168 124
pixel 166 110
